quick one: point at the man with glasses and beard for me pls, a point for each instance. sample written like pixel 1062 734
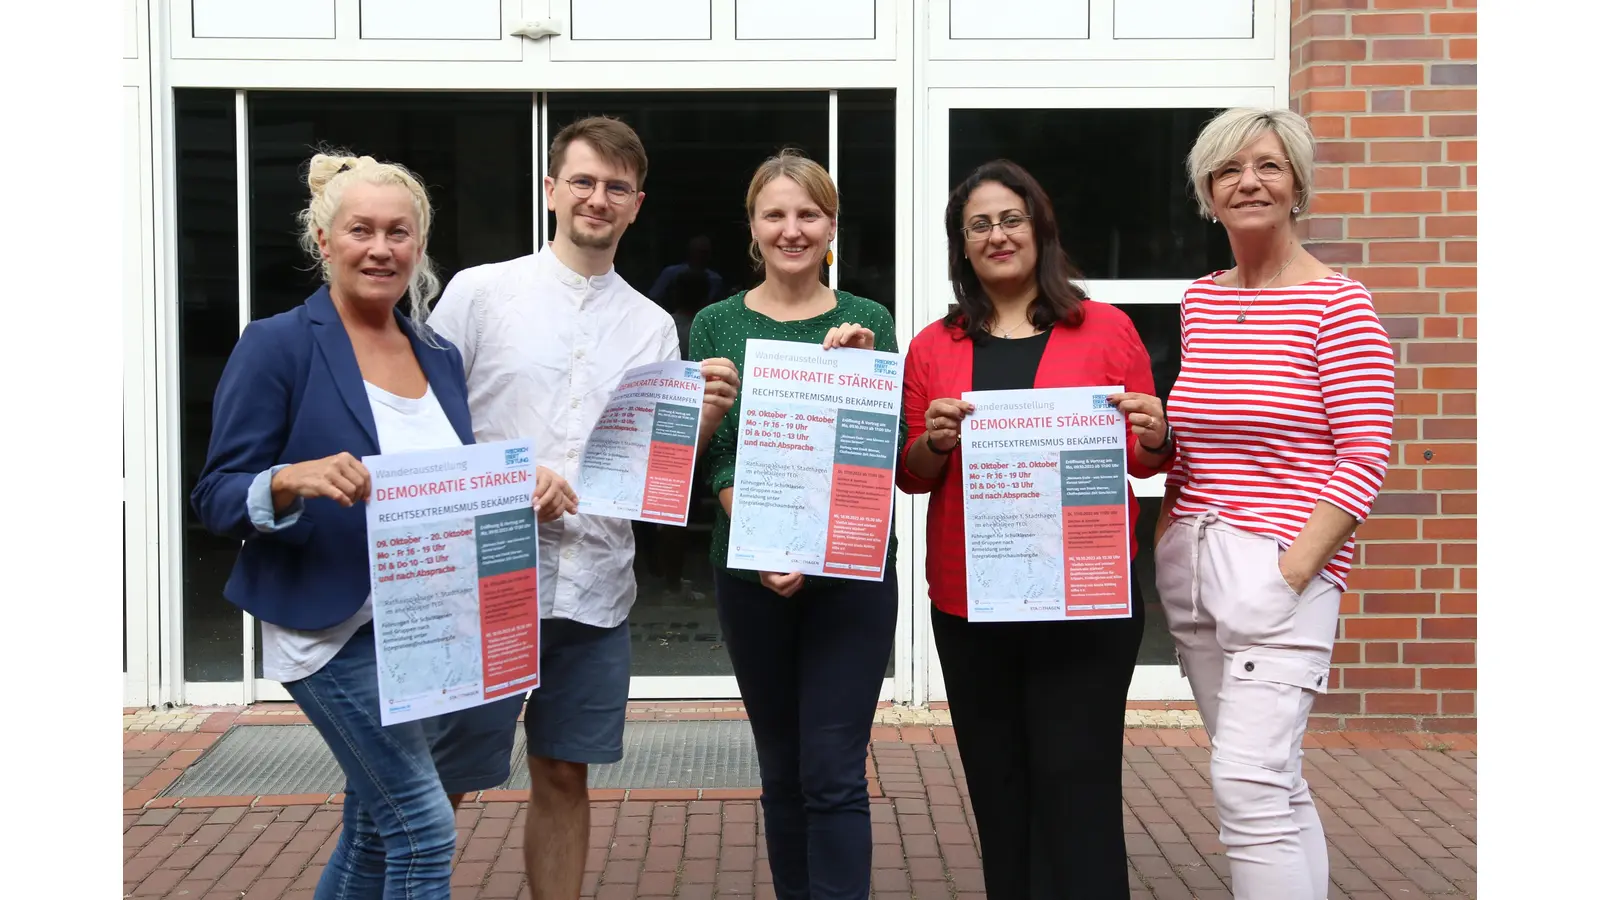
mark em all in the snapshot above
pixel 544 339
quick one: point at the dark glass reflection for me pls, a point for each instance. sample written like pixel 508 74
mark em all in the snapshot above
pixel 474 152
pixel 208 325
pixel 1157 648
pixel 1157 325
pixel 865 256
pixel 1116 177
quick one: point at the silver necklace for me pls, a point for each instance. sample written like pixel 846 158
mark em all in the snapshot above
pixel 1253 300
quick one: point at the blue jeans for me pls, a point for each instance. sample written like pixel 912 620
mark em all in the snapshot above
pixel 399 830
pixel 810 668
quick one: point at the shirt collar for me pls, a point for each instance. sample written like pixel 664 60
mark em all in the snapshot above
pixel 559 271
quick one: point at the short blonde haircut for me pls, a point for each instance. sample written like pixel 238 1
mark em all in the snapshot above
pixel 1235 129
pixel 797 167
pixel 328 175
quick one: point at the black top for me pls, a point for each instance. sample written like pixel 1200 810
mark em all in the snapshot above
pixel 1007 365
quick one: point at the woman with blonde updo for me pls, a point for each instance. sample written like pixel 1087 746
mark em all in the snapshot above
pixel 305 395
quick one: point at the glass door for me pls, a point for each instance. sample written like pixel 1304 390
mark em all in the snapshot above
pixel 1112 161
pixel 239 176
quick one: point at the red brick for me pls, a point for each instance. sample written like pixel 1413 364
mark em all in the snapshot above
pixel 1458 604
pixel 1444 177
pixel 1403 251
pixel 1409 4
pixel 1450 429
pixel 1387 528
pixel 1399 478
pixel 1366 628
pixel 1399 604
pixel 1408 48
pixel 1461 251
pixel 1341 704
pixel 1458 704
pixel 1462 201
pixel 1372 724
pixel 1324 228
pixel 1452 126
pixel 1457 555
pixel 1440 653
pixel 1327 126
pixel 1464 48
pixel 1464 628
pixel 1333 101
pixel 1341 203
pixel 1410 554
pixel 1402 704
pixel 1341 151
pixel 1428 352
pixel 1458 505
pixel 1437 579
pixel 1368 678
pixel 1388 75
pixel 1385 176
pixel 1330 178
pixel 1450 529
pixel 1345 652
pixel 1381 277
pixel 1407 201
pixel 1469 578
pixel 1445 100
pixel 1453 23
pixel 1336 50
pixel 1385 227
pixel 1386 126
pixel 1387 24
pixel 1335 254
pixel 1469 327
pixel 1380 653
pixel 1451 379
pixel 1406 151
pixel 1441 327
pixel 1451 725
pixel 1461 151
pixel 1464 303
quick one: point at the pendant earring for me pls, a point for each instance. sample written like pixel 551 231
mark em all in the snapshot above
pixel 828 260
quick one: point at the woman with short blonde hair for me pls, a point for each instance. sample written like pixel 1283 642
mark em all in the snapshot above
pixel 1282 411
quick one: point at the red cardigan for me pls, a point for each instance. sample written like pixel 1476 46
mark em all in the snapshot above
pixel 1104 349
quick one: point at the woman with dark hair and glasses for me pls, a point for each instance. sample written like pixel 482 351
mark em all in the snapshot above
pixel 1037 706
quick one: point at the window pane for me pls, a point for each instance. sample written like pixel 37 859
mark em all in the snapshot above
pixel 1116 177
pixel 1157 325
pixel 865 255
pixel 703 147
pixel 474 152
pixel 208 325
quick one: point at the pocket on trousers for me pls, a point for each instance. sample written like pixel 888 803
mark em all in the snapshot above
pixel 1265 707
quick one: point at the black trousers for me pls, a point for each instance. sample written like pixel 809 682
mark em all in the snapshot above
pixel 1038 713
pixel 810 668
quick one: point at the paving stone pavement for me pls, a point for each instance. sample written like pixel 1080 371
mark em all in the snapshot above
pixel 1400 812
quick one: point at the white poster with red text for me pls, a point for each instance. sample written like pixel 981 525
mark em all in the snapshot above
pixel 454 550
pixel 813 485
pixel 1045 502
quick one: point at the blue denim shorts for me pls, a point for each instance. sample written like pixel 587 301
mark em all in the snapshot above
pixel 576 713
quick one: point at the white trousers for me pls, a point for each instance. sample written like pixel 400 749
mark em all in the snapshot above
pixel 1256 654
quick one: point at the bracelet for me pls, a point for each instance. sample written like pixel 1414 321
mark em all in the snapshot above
pixel 1166 444
pixel 928 439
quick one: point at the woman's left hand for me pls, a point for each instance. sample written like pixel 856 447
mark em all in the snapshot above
pixel 849 334
pixel 722 387
pixel 1145 415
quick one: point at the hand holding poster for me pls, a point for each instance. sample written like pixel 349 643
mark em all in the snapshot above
pixel 455 577
pixel 639 461
pixel 813 487
pixel 1046 505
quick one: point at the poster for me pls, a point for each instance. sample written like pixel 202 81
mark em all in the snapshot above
pixel 454 550
pixel 1045 500
pixel 639 460
pixel 819 434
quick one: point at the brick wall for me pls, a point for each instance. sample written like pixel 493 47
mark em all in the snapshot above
pixel 1389 87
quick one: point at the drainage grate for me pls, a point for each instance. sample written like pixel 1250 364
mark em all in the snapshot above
pixel 253 760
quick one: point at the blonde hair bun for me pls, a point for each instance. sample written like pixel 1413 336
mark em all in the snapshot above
pixel 324 166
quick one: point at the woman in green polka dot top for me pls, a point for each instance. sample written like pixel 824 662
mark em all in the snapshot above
pixel 809 652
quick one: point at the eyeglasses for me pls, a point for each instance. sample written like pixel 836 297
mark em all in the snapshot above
pixel 1009 225
pixel 582 187
pixel 1266 170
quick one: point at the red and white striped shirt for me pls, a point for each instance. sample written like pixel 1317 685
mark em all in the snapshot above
pixel 1291 406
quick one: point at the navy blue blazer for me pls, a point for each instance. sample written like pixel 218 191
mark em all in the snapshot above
pixel 292 392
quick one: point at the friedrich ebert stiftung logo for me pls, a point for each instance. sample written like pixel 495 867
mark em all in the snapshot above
pixel 691 372
pixel 885 366
pixel 516 456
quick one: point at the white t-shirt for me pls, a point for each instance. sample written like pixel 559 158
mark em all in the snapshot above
pixel 403 424
pixel 543 348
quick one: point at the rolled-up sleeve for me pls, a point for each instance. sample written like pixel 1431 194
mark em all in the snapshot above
pixel 262 515
pixel 1355 367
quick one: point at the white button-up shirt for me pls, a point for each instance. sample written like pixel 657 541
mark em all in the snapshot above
pixel 543 348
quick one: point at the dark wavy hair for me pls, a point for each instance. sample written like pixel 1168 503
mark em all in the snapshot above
pixel 1059 300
